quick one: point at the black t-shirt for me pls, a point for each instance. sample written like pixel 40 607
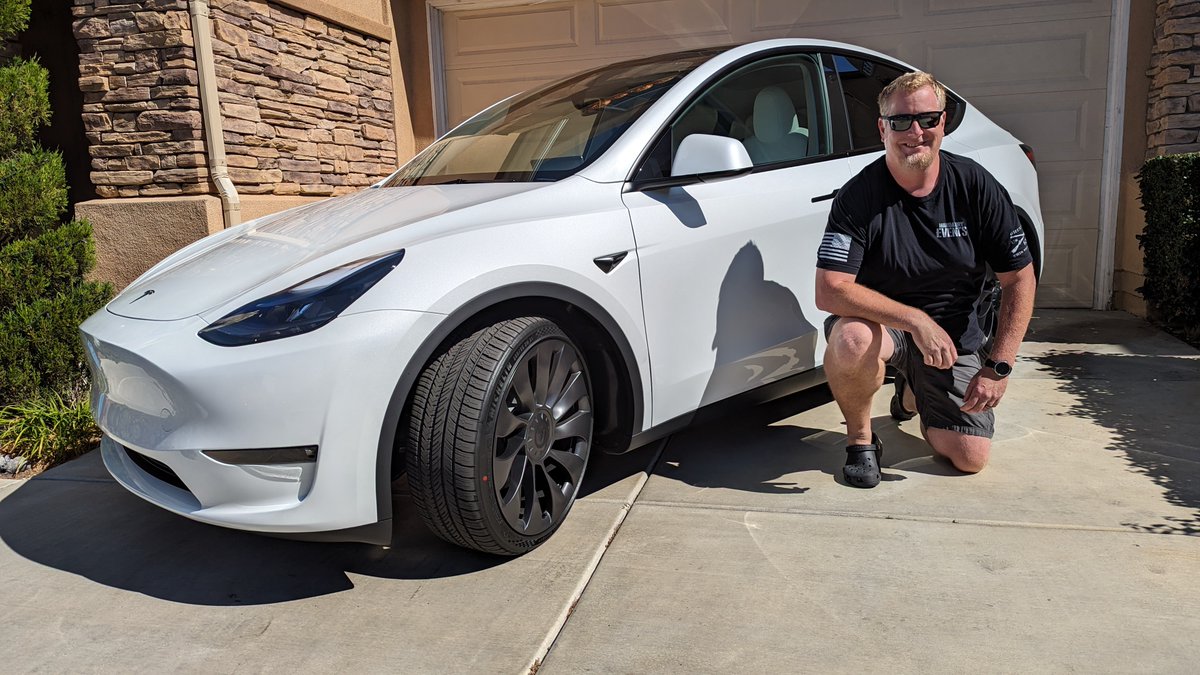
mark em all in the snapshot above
pixel 927 252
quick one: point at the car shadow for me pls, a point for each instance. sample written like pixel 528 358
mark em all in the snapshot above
pixel 76 519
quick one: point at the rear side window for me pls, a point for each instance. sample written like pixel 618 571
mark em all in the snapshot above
pixel 862 80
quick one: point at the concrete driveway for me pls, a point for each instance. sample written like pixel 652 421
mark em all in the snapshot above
pixel 730 547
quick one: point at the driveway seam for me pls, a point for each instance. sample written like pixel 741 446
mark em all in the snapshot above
pixel 917 519
pixel 560 623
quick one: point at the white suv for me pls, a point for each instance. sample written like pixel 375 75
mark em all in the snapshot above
pixel 581 267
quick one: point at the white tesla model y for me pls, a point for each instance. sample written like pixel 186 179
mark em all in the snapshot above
pixel 578 268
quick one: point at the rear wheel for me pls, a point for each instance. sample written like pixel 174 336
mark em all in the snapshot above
pixel 499 434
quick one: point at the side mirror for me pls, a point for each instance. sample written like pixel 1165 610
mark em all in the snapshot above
pixel 700 154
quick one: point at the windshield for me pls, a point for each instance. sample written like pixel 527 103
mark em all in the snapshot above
pixel 552 132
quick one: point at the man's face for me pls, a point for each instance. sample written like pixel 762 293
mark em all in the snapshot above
pixel 915 147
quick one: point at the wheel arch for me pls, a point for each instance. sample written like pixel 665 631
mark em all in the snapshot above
pixel 613 368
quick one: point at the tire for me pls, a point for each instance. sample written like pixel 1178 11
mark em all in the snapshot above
pixel 499 433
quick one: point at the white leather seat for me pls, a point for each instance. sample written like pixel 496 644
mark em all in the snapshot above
pixel 774 119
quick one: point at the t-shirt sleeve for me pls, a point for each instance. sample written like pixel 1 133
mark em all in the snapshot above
pixel 841 247
pixel 1007 247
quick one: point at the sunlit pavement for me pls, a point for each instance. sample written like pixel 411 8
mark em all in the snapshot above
pixel 1076 550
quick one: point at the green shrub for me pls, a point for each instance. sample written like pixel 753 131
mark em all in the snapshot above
pixel 33 193
pixel 14 16
pixel 48 430
pixel 44 415
pixel 25 102
pixel 1171 242
pixel 40 348
pixel 33 268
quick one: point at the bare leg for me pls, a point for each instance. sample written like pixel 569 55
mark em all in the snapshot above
pixel 855 360
pixel 967 453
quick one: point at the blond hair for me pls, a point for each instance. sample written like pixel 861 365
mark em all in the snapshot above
pixel 908 83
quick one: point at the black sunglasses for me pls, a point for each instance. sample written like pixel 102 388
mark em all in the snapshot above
pixel 927 120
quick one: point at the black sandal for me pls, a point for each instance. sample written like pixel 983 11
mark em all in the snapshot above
pixel 862 464
pixel 897 407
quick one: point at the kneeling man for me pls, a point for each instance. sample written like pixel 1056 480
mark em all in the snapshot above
pixel 901 268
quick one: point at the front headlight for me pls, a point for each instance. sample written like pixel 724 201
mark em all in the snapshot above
pixel 302 308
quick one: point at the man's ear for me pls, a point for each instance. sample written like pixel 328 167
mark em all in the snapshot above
pixel 879 123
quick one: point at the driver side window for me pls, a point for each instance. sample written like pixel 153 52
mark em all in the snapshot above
pixel 776 108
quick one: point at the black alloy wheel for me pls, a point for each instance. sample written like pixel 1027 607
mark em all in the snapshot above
pixel 499 436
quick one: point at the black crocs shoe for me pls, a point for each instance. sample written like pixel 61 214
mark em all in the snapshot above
pixel 897 406
pixel 862 464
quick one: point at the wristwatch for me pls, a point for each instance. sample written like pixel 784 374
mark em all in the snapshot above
pixel 1002 368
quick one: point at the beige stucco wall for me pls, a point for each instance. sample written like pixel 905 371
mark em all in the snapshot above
pixel 1127 268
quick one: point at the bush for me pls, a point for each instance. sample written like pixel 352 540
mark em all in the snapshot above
pixel 48 430
pixel 1170 243
pixel 33 268
pixel 44 297
pixel 25 100
pixel 33 193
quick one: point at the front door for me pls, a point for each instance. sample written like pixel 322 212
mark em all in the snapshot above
pixel 728 267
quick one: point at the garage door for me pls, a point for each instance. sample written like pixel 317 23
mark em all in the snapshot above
pixel 1038 68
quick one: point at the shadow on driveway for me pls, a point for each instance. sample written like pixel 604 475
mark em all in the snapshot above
pixel 76 519
pixel 1146 394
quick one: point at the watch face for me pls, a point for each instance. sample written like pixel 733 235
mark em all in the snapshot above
pixel 1002 368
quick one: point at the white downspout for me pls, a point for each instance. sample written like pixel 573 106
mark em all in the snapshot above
pixel 210 110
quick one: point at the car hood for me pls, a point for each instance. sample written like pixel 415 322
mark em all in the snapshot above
pixel 212 275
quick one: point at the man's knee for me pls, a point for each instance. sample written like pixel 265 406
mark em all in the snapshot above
pixel 967 453
pixel 855 340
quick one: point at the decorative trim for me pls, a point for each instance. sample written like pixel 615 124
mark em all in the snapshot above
pixel 329 12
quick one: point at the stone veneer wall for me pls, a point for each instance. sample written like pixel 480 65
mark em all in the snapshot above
pixel 141 104
pixel 306 105
pixel 1173 119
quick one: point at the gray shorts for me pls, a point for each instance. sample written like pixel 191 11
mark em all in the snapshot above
pixel 939 392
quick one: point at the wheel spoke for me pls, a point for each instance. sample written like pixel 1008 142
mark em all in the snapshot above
pixel 558 500
pixel 507 422
pixel 517 487
pixel 507 471
pixel 539 520
pixel 578 426
pixel 562 371
pixel 575 390
pixel 570 461
pixel 523 386
pixel 544 355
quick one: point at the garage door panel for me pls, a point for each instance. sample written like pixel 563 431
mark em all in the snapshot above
pixel 1068 191
pixel 489 32
pixel 795 18
pixel 620 21
pixel 1060 127
pixel 1043 9
pixel 1056 56
pixel 1069 268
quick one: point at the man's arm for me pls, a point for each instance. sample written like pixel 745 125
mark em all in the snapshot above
pixel 1016 308
pixel 839 293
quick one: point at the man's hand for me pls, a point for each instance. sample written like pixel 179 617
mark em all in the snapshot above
pixel 935 344
pixel 984 392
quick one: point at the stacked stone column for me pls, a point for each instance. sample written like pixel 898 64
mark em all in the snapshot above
pixel 1173 113
pixel 306 104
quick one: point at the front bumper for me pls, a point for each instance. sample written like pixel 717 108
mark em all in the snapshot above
pixel 162 396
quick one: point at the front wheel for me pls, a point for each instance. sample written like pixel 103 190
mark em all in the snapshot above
pixel 499 434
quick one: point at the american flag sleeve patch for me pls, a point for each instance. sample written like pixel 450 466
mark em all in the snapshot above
pixel 835 248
